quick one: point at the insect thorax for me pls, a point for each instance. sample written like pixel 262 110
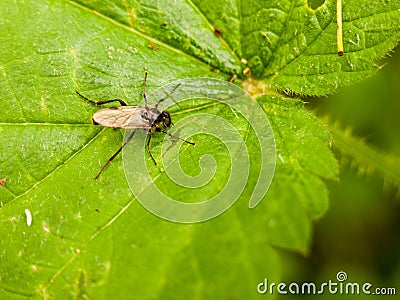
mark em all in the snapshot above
pixel 158 119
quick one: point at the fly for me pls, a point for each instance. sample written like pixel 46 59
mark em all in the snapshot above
pixel 133 117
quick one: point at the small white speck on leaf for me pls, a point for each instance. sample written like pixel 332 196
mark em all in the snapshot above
pixel 28 217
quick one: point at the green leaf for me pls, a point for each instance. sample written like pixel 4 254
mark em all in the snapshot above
pixel 364 157
pixel 92 239
pixel 297 191
pixel 296 46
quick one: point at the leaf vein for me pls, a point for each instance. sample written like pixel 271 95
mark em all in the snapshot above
pixel 141 34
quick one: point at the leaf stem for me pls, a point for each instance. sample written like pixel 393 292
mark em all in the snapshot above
pixel 339 28
pixel 385 165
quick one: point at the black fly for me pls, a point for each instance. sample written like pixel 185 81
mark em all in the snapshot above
pixel 133 117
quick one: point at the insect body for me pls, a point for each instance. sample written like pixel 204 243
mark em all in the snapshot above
pixel 133 117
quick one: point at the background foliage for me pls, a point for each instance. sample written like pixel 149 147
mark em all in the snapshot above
pixel 359 234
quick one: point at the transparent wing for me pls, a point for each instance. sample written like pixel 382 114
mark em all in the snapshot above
pixel 128 117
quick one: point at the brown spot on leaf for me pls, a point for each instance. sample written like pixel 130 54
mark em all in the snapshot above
pixel 218 32
pixel 153 47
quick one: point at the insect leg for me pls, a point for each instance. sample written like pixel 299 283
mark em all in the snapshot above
pixel 176 137
pixel 144 88
pixel 101 102
pixel 168 95
pixel 148 147
pixel 169 147
pixel 115 154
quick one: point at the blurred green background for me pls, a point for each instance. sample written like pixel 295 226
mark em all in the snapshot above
pixel 360 232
